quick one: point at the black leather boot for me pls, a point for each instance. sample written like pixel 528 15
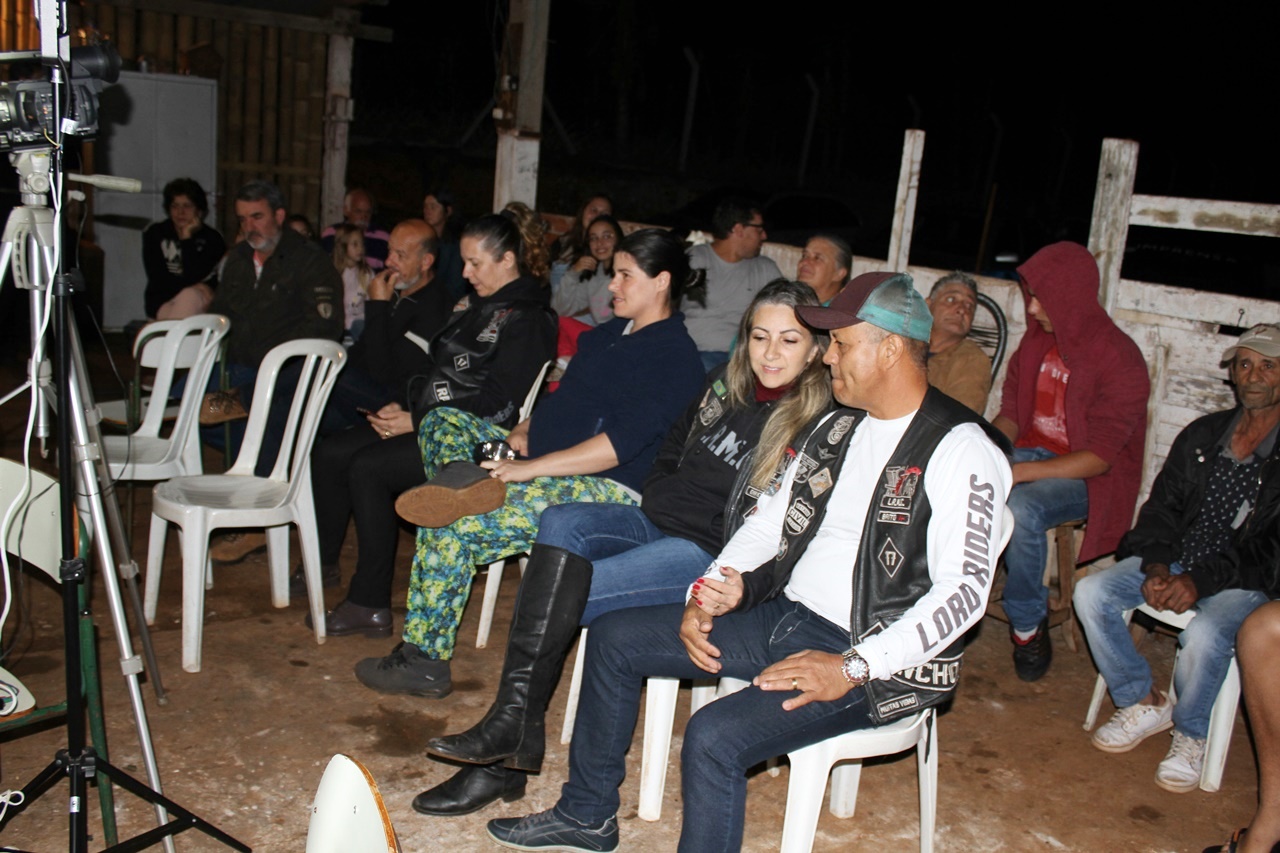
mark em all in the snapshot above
pixel 553 594
pixel 471 789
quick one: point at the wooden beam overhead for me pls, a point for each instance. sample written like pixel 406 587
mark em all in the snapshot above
pixel 264 17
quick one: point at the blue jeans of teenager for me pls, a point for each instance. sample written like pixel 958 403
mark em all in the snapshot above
pixel 723 739
pixel 1037 508
pixel 634 564
pixel 1207 643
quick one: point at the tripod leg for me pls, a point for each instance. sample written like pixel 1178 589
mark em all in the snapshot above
pixel 97 727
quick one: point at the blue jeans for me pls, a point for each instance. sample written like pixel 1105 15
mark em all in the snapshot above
pixel 723 739
pixel 1207 644
pixel 634 564
pixel 1037 508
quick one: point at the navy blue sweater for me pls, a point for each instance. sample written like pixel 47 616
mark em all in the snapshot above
pixel 630 387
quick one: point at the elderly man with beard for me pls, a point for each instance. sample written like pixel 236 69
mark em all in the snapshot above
pixel 957 366
pixel 1205 539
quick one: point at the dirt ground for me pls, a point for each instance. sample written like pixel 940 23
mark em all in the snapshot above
pixel 244 742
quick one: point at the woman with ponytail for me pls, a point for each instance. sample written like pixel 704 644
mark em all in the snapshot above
pixel 483 363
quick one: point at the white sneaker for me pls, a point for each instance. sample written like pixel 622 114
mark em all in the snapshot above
pixel 1180 770
pixel 1130 726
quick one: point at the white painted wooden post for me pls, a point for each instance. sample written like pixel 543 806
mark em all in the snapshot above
pixel 1109 228
pixel 904 206
pixel 519 136
pixel 338 114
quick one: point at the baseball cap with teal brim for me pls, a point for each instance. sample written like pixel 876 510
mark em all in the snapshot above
pixel 888 300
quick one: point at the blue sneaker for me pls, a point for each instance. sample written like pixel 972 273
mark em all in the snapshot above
pixel 550 831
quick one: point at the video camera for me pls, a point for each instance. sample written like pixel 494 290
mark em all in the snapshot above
pixel 26 106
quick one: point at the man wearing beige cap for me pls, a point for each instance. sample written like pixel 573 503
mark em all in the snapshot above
pixel 1207 539
pixel 827 649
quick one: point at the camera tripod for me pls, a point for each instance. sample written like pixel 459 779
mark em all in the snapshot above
pixel 30 248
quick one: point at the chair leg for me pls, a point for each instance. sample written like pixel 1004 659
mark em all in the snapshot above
pixel 309 544
pixel 278 563
pixel 1221 721
pixel 845 778
pixel 155 559
pixel 575 688
pixel 659 717
pixel 810 767
pixel 927 771
pixel 490 602
pixel 195 557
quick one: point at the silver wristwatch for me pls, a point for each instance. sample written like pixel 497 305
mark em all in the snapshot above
pixel 856 670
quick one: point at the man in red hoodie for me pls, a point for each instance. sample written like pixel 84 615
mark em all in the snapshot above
pixel 1075 407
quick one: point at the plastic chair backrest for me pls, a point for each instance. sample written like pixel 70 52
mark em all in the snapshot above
pixel 321 362
pixel 349 813
pixel 993 335
pixel 191 345
pixel 36 532
pixel 527 409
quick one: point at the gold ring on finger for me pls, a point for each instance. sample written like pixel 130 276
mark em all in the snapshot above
pixel 795 685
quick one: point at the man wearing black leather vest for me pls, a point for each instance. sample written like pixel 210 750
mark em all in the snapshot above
pixel 843 599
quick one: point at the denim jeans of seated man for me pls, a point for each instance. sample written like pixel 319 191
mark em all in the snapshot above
pixel 1037 508
pixel 723 739
pixel 1207 643
pixel 634 564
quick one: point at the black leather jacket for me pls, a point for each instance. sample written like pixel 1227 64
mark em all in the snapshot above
pixel 487 355
pixel 1253 560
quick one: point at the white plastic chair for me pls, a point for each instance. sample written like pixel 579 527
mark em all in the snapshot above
pixel 661 714
pixel 201 504
pixel 148 345
pixel 190 345
pixel 493 581
pixel 1222 718
pixel 811 765
pixel 659 718
pixel 348 813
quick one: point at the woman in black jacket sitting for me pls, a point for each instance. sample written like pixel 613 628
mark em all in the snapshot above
pixel 484 361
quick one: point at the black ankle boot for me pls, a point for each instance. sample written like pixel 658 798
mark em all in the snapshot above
pixel 553 594
pixel 471 789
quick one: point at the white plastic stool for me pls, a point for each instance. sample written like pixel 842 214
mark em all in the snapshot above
pixel 1222 719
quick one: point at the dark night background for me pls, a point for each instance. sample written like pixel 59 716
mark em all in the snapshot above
pixel 1005 100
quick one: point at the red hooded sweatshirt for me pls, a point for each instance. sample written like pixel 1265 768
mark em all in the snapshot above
pixel 1106 397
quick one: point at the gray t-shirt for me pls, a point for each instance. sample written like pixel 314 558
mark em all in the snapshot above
pixel 730 289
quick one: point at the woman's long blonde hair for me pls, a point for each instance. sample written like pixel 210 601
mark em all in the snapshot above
pixel 810 394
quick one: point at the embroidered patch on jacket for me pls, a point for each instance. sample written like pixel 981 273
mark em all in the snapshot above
pixel 441 390
pixel 325 310
pixel 799 514
pixel 461 362
pixel 820 482
pixel 804 467
pixel 839 429
pixel 937 676
pixel 711 412
pixel 900 484
pixel 890 557
pixel 490 332
pixel 719 388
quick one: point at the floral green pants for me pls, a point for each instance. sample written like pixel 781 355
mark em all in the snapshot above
pixel 445 559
